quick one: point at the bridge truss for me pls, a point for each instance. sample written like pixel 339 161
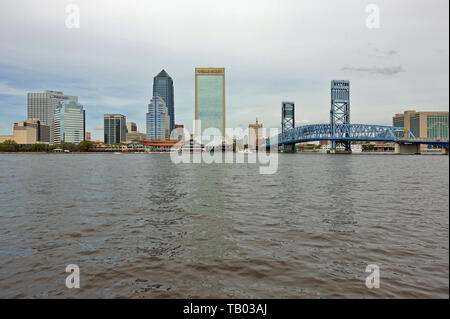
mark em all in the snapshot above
pixel 349 133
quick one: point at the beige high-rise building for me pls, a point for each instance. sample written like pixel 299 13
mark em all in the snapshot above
pixel 255 135
pixel 87 136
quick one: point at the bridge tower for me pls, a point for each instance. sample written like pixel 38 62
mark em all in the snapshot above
pixel 340 110
pixel 287 121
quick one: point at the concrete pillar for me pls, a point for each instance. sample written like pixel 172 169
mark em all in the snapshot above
pixel 289 148
pixel 407 149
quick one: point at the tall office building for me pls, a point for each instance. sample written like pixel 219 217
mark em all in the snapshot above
pixel 115 128
pixel 42 106
pixel 69 123
pixel 210 100
pixel 158 119
pixel 163 86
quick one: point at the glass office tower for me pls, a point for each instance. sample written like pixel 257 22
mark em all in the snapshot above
pixel 115 128
pixel 210 100
pixel 163 86
pixel 69 122
pixel 42 106
pixel 158 120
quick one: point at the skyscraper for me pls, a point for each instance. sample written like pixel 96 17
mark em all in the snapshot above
pixel 158 119
pixel 69 122
pixel 163 86
pixel 210 99
pixel 42 106
pixel 114 128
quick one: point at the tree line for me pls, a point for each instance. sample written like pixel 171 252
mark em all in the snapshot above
pixel 12 146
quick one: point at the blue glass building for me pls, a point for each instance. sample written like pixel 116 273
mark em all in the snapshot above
pixel 163 86
pixel 69 122
pixel 158 119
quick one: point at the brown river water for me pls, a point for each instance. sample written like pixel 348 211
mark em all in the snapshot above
pixel 140 226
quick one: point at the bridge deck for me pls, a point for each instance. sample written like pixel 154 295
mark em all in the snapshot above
pixel 352 133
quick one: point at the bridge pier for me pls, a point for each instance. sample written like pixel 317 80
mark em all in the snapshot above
pixel 289 148
pixel 407 148
pixel 339 152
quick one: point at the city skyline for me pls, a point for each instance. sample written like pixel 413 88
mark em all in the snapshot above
pixel 294 60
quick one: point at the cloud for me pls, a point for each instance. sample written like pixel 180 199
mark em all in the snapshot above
pixel 6 89
pixel 376 70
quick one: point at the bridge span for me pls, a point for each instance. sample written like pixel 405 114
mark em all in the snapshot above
pixel 351 133
pixel 340 132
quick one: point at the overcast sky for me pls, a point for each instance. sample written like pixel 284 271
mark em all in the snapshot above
pixel 271 50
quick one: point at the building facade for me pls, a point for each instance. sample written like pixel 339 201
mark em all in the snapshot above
pixel 31 132
pixel 115 128
pixel 158 119
pixel 179 132
pixel 42 106
pixel 210 102
pixel 432 125
pixel 132 136
pixel 131 127
pixel 163 86
pixel 69 123
pixel 255 135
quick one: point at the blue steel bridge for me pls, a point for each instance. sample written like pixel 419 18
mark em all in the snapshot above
pixel 352 133
pixel 341 132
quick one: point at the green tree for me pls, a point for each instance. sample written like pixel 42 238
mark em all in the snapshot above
pixel 85 146
pixel 9 146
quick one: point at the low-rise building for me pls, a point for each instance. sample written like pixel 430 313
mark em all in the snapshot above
pixel 426 125
pixel 4 138
pixel 31 131
pixel 131 127
pixel 132 136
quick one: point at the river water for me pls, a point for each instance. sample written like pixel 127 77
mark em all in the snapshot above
pixel 140 226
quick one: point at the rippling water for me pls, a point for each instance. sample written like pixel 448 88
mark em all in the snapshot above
pixel 140 226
